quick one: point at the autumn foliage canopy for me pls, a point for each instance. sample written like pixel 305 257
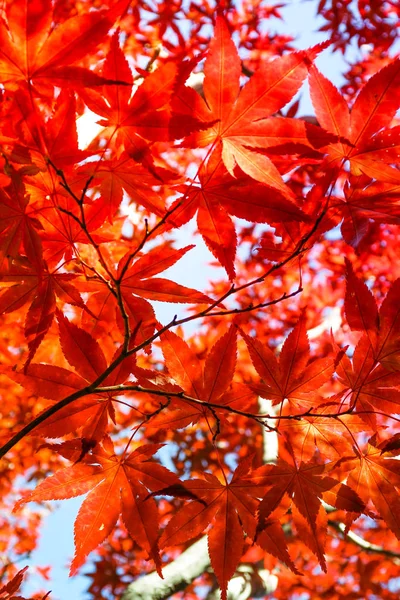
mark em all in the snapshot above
pixel 271 392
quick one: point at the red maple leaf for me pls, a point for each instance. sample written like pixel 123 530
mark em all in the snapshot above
pixel 19 226
pixel 123 173
pixel 330 436
pixel 381 328
pixel 220 195
pixel 293 377
pixel 134 121
pixel 244 122
pixel 32 53
pixel 90 415
pixel 376 477
pixel 366 202
pixel 211 384
pixel 367 142
pixel 306 486
pixel 369 388
pixel 231 509
pixel 63 230
pixel 116 484
pixel 138 282
pixel 41 291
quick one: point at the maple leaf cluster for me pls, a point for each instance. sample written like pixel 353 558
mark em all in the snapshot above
pixel 273 396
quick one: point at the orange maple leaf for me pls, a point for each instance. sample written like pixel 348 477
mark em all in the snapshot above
pixel 381 328
pixel 31 53
pixel 231 509
pixel 211 383
pixel 220 195
pixel 376 477
pixel 367 142
pixel 116 484
pixel 306 486
pixel 89 414
pixel 293 377
pixel 244 121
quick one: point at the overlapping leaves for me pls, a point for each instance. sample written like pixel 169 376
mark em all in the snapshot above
pixel 294 377
pixel 31 52
pixel 116 484
pixel 50 235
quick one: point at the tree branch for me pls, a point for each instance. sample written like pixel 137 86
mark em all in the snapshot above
pixel 359 541
pixel 177 575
